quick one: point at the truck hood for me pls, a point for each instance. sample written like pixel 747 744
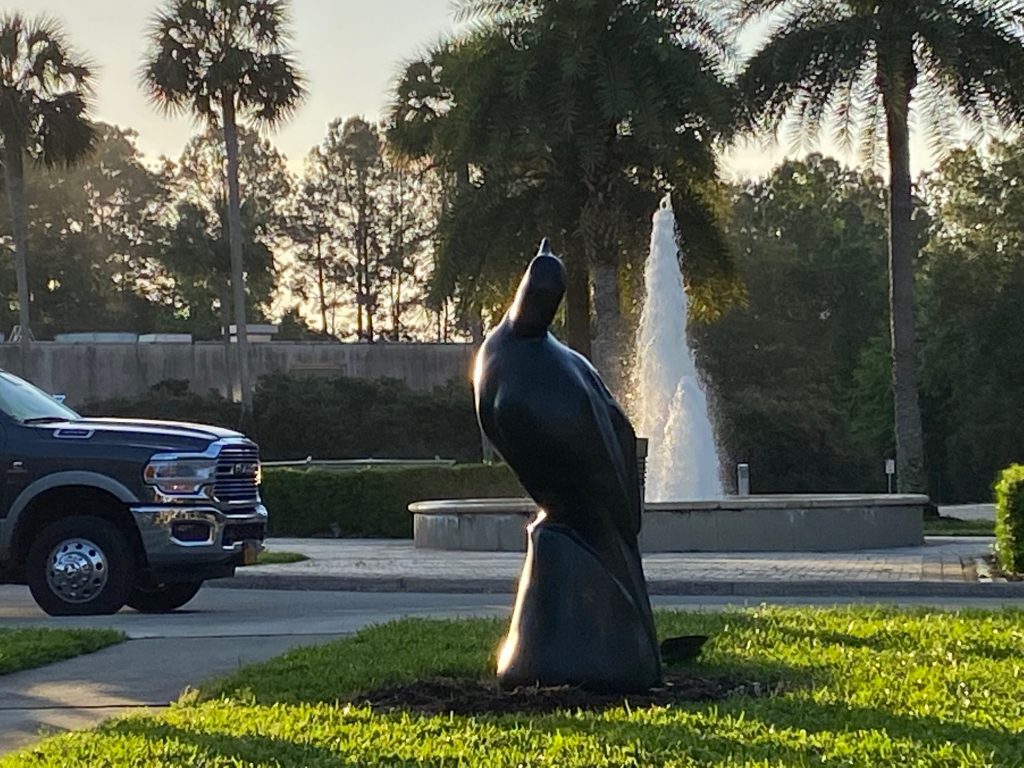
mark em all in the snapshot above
pixel 169 435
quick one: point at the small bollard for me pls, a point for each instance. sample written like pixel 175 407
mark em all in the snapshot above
pixel 641 465
pixel 742 479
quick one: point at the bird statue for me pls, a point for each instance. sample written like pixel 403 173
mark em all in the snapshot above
pixel 582 614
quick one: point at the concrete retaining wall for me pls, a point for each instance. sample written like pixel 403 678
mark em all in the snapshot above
pixel 827 523
pixel 86 372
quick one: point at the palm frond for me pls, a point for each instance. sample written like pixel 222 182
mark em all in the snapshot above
pixel 64 134
pixel 936 114
pixel 799 72
pixel 743 12
pixel 975 52
pixel 694 24
pixel 200 52
pixel 44 91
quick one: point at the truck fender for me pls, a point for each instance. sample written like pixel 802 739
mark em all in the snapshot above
pixel 49 482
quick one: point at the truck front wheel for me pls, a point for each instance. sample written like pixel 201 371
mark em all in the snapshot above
pixel 162 598
pixel 79 566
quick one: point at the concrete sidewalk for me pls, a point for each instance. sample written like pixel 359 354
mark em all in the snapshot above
pixel 944 566
pixel 137 675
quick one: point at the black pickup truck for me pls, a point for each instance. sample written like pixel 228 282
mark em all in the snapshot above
pixel 99 513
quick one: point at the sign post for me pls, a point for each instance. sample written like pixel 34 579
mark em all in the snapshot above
pixel 890 470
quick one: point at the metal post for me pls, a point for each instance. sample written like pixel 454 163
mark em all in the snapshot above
pixel 743 479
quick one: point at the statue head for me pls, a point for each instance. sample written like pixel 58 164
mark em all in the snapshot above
pixel 539 294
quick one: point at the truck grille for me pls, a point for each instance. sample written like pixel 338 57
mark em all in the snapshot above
pixel 237 471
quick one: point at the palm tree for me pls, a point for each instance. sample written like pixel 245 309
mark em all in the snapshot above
pixel 873 63
pixel 574 115
pixel 225 60
pixel 44 90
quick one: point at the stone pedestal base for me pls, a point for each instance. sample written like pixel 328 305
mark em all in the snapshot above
pixel 574 623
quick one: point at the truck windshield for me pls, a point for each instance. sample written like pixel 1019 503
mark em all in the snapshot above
pixel 28 404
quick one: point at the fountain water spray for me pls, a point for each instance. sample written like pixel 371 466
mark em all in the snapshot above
pixel 672 410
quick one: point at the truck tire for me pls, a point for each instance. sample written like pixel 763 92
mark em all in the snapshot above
pixel 162 598
pixel 80 566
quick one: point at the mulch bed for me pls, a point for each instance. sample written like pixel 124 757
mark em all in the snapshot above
pixel 475 697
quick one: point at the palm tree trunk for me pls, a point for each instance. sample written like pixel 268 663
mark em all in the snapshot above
pixel 396 306
pixel 15 178
pixel 320 282
pixel 577 304
pixel 909 444
pixel 235 238
pixel 224 294
pixel 607 324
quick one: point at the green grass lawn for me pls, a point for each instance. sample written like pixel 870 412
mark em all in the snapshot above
pixel 954 526
pixel 28 648
pixel 266 557
pixel 866 687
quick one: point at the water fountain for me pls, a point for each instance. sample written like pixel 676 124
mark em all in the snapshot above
pixel 671 408
pixel 686 510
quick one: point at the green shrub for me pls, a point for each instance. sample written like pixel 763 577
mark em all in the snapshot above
pixel 332 418
pixel 1010 519
pixel 340 418
pixel 372 502
pixel 170 400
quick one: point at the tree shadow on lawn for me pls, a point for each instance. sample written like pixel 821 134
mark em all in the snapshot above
pixel 816 717
pixel 660 741
pixel 890 641
pixel 255 748
pixel 766 719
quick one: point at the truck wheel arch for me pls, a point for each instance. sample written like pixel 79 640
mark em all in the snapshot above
pixel 48 498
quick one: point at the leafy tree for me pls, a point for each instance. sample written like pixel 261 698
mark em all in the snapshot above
pixel 225 60
pixel 127 202
pixel 570 117
pixel 263 176
pixel 196 254
pixel 369 220
pixel 870 64
pixel 406 223
pixel 809 245
pixel 44 89
pixel 971 284
pixel 293 327
pixel 311 230
pixel 351 158
pixel 98 225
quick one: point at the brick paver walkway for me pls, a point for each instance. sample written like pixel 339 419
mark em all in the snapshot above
pixel 941 559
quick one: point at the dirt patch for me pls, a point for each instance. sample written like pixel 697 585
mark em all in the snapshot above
pixel 475 697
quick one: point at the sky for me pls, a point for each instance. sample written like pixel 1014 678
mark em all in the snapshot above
pixel 350 51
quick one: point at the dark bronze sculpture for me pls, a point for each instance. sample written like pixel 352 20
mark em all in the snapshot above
pixel 582 614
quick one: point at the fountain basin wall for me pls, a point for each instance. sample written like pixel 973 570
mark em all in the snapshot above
pixel 783 523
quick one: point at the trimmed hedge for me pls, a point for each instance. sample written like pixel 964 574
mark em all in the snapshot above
pixel 1010 519
pixel 374 502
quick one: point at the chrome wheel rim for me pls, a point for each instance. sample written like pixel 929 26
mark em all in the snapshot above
pixel 76 570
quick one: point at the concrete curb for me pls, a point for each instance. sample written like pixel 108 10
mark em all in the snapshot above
pixel 809 588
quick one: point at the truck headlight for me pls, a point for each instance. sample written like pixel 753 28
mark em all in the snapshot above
pixel 180 476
